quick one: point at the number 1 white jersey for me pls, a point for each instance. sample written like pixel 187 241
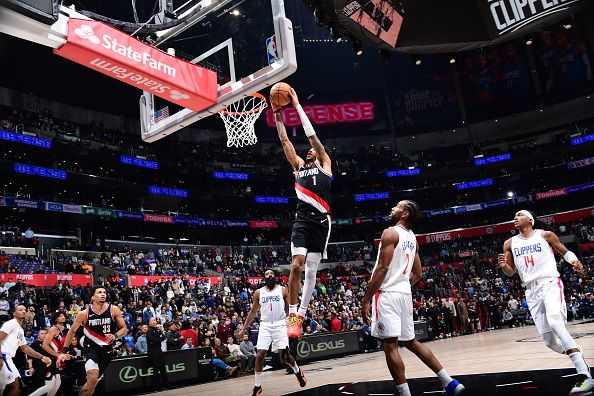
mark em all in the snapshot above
pixel 398 276
pixel 534 257
pixel 272 304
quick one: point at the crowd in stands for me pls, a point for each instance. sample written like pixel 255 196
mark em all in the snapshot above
pixel 462 292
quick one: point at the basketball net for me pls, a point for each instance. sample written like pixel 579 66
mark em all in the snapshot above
pixel 239 118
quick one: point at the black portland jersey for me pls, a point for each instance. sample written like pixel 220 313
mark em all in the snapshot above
pixel 98 326
pixel 313 186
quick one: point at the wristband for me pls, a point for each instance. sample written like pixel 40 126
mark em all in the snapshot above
pixel 307 127
pixel 570 257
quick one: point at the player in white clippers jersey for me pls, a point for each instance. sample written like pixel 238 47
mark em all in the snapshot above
pixel 272 301
pixel 530 254
pixel 12 337
pixel 398 266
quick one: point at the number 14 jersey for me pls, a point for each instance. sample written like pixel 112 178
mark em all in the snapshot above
pixel 534 257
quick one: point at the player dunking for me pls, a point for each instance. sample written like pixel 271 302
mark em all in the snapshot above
pixel 100 323
pixel 311 230
pixel 398 266
pixel 271 300
pixel 12 337
pixel 530 253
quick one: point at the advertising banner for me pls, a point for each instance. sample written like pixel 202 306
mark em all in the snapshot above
pixel 123 214
pixel 500 228
pixel 132 375
pixel 48 280
pixel 327 345
pixel 91 210
pixel 122 57
pixel 142 280
pixel 53 206
pixel 158 218
pixel 24 203
pixel 551 193
pixel 421 331
pixel 580 163
pixel 263 224
pixel 72 208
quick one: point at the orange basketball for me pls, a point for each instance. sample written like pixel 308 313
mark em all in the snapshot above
pixel 280 95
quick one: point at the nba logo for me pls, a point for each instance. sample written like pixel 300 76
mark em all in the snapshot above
pixel 271 50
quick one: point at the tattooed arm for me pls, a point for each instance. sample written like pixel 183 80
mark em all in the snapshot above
pixel 288 147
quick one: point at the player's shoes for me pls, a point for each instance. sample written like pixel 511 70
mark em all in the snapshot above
pixel 257 391
pixel 294 325
pixel 584 386
pixel 301 378
pixel 454 388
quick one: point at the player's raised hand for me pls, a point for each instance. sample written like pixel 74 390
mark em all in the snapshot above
pixel 366 312
pixel 61 358
pixel 294 98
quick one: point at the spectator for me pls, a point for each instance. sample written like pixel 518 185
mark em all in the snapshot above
pixel 188 344
pixel 236 353
pixel 336 324
pixel 155 336
pixel 174 338
pixel 141 345
pixel 188 331
pixel 248 350
pixel 4 308
pixel 223 353
pixel 217 362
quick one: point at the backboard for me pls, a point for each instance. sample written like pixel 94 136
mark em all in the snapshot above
pixel 249 43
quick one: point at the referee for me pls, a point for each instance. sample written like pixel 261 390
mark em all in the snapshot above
pixel 154 338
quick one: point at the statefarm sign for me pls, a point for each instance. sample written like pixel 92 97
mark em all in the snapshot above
pixel 107 50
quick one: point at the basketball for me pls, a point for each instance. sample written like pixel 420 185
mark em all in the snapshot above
pixel 280 95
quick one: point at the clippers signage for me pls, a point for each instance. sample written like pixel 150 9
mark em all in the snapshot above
pixel 325 114
pixel 49 280
pixel 380 21
pixel 317 347
pixel 107 50
pixel 504 16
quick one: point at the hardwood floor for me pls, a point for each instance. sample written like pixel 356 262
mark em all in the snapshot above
pixel 517 349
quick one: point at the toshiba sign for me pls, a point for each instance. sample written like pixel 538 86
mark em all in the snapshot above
pixel 325 114
pixel 107 50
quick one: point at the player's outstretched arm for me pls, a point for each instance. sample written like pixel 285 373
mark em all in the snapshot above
pixel 51 333
pixel 78 321
pixel 288 147
pixel 311 134
pixel 27 350
pixel 568 255
pixel 252 314
pixel 506 259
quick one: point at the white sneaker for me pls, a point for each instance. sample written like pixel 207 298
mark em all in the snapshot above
pixel 584 386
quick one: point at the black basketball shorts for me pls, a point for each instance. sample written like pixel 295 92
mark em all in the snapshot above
pixel 311 235
pixel 97 358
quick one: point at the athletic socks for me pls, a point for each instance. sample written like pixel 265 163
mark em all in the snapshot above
pixel 444 377
pixel 403 389
pixel 302 311
pixel 293 309
pixel 295 368
pixel 580 363
pixel 257 378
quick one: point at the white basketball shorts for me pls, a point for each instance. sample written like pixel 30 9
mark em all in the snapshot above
pixel 273 333
pixel 9 370
pixel 392 316
pixel 546 295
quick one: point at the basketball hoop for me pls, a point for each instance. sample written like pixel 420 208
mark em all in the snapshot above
pixel 239 118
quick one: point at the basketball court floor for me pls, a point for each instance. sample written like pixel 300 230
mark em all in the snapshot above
pixel 504 362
